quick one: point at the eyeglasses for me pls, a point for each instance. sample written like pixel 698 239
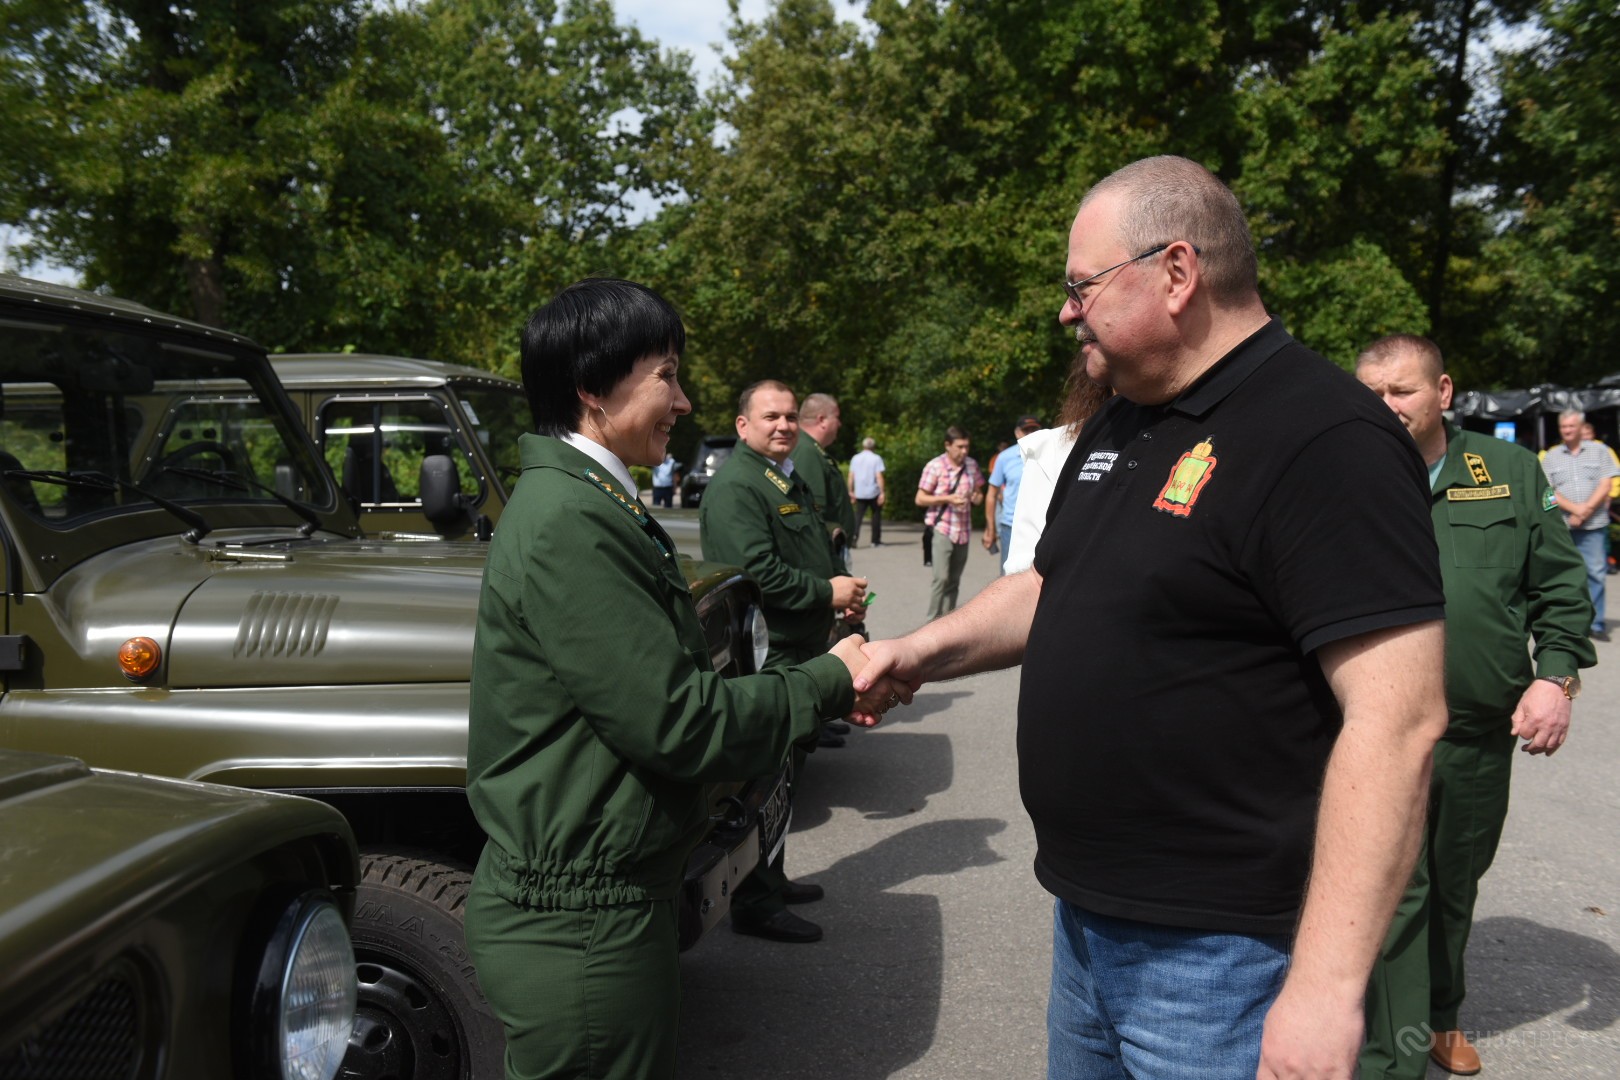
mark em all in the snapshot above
pixel 1073 287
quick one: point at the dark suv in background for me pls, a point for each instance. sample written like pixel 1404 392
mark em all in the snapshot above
pixel 711 453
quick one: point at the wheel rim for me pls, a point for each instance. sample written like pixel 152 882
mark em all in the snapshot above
pixel 402 1026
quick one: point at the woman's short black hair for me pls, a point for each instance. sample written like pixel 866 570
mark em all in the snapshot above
pixel 587 338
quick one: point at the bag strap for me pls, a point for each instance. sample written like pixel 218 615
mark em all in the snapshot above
pixel 939 511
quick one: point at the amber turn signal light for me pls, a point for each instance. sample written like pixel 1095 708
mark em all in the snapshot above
pixel 139 657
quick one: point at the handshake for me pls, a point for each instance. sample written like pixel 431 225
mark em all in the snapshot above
pixel 878 687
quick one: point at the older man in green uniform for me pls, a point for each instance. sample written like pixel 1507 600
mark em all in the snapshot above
pixel 1511 573
pixel 758 513
pixel 819 422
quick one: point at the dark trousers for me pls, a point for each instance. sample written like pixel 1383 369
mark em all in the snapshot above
pixel 1417 984
pixel 759 895
pixel 664 496
pixel 861 507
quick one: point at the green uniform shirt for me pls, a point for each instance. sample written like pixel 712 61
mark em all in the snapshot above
pixel 822 476
pixel 596 719
pixel 1510 572
pixel 755 515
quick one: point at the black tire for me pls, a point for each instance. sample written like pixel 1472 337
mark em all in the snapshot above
pixel 421 1014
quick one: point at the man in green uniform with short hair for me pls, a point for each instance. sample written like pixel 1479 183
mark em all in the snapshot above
pixel 819 422
pixel 758 513
pixel 1511 573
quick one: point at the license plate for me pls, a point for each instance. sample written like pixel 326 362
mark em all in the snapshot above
pixel 774 818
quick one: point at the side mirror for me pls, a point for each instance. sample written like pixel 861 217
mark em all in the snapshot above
pixel 442 501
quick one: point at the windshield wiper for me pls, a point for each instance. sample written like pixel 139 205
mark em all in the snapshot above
pixel 241 483
pixel 95 481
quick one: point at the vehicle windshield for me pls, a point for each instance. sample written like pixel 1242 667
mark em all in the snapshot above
pixel 500 416
pixel 108 420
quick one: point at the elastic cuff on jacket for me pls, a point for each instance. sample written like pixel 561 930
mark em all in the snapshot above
pixel 835 690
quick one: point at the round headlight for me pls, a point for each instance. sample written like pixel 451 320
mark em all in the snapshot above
pixel 306 991
pixel 757 634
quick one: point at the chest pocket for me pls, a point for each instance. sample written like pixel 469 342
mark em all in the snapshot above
pixel 1484 532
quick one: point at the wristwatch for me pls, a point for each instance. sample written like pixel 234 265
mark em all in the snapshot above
pixel 1569 684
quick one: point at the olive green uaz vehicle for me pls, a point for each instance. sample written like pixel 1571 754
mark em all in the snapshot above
pixel 164 930
pixel 189 594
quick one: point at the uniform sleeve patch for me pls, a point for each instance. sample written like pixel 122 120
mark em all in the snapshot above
pixel 1549 499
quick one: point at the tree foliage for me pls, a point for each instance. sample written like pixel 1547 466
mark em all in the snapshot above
pixel 330 173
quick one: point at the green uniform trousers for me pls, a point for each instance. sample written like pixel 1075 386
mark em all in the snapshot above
pixel 593 993
pixel 759 895
pixel 1418 980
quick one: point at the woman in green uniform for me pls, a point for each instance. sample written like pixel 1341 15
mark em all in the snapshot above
pixel 596 720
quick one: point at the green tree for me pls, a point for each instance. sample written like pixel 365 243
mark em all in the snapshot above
pixel 1550 276
pixel 330 173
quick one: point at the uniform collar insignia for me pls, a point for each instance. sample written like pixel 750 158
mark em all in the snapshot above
pixel 773 477
pixel 1477 469
pixel 632 506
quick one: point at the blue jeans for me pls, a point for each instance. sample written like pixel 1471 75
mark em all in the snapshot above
pixel 1589 542
pixel 1136 1001
pixel 1004 540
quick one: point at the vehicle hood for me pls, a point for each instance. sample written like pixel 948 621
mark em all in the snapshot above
pixel 339 613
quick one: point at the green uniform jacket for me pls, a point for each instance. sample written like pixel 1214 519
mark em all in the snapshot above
pixel 596 719
pixel 765 521
pixel 822 476
pixel 1510 571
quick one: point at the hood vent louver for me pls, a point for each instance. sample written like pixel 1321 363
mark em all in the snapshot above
pixel 284 624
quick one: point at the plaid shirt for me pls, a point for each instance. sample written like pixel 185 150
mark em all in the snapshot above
pixel 940 477
pixel 1576 476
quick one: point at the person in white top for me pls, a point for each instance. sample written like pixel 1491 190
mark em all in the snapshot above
pixel 1044 453
pixel 867 491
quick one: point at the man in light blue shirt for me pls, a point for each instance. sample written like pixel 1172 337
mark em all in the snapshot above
pixel 1002 497
pixel 663 481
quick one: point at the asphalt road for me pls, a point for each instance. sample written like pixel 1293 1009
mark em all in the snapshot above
pixel 938 942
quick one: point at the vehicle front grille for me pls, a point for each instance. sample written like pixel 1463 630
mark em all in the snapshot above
pixel 96 1038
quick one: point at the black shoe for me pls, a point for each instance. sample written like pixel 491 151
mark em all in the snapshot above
pixel 879 543
pixel 783 926
pixel 829 740
pixel 802 892
pixel 837 727
pixel 1600 635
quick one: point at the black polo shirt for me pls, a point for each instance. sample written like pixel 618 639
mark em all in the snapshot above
pixel 1174 725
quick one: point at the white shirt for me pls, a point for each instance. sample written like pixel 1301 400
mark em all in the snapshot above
pixel 605 458
pixel 1044 454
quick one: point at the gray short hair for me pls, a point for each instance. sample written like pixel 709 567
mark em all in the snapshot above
pixel 1170 198
pixel 1579 416
pixel 816 406
pixel 868 442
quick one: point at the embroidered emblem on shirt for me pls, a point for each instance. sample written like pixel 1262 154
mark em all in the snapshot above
pixel 770 474
pixel 1099 462
pixel 1500 491
pixel 1187 479
pixel 789 508
pixel 1476 466
pixel 1549 501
